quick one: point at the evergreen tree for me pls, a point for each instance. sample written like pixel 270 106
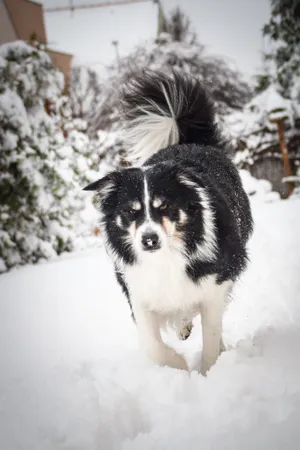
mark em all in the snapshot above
pixel 283 30
pixel 42 163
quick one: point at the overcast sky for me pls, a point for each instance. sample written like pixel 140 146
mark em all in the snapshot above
pixel 231 28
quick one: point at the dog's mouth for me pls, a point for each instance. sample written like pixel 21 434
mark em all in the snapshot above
pixel 151 250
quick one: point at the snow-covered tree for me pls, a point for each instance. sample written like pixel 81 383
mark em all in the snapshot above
pixel 43 164
pixel 283 58
pixel 277 89
pixel 179 27
pixel 255 137
pixel 176 49
pixel 252 125
pixel 85 89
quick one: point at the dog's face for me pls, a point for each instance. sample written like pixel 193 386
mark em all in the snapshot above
pixel 146 211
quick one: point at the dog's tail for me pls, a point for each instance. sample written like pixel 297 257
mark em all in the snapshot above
pixel 162 110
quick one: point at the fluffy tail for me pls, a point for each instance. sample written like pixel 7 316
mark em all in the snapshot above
pixel 162 110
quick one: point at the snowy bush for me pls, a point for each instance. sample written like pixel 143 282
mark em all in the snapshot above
pixel 254 135
pixel 85 89
pixel 42 170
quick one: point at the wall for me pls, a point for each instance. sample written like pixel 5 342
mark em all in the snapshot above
pixel 271 169
pixel 32 12
pixel 63 62
pixel 7 31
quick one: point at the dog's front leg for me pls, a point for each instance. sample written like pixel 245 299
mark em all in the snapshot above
pixel 148 325
pixel 211 315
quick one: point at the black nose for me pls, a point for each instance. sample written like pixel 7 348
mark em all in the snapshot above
pixel 150 241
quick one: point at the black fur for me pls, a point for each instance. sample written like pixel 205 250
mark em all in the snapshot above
pixel 122 283
pixel 196 116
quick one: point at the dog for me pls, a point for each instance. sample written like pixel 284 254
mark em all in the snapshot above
pixel 177 222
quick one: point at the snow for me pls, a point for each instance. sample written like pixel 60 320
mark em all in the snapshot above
pixel 16 50
pixel 271 100
pixel 293 179
pixel 12 108
pixel 257 113
pixel 260 189
pixel 72 375
pixel 2 265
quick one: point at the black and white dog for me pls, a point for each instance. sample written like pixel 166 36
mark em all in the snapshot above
pixel 176 225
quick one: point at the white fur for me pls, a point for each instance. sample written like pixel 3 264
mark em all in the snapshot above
pixel 159 283
pixel 119 221
pixel 207 249
pixel 182 216
pixel 148 325
pixel 106 190
pixel 161 290
pixel 146 199
pixel 212 313
pixel 153 130
pixel 136 205
pixel 157 202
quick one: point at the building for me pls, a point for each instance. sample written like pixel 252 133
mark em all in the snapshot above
pixel 24 20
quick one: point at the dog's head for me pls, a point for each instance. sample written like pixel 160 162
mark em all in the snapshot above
pixel 152 209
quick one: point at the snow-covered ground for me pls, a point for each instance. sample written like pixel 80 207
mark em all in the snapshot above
pixel 72 376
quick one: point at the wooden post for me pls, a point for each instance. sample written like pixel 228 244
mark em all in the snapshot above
pixel 285 156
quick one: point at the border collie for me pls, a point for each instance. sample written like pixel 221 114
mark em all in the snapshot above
pixel 176 224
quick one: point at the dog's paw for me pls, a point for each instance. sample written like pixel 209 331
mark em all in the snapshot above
pixel 206 365
pixel 175 360
pixel 209 360
pixel 166 356
pixel 184 332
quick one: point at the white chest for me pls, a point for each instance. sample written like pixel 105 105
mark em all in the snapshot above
pixel 160 284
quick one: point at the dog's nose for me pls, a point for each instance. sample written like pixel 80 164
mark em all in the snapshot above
pixel 150 241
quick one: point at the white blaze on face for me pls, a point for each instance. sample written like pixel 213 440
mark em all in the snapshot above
pixel 146 199
pixel 149 226
pixel 166 231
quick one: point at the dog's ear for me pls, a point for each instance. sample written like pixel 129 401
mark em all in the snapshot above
pixel 104 186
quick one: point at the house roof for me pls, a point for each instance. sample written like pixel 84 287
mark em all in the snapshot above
pixel 31 28
pixel 27 20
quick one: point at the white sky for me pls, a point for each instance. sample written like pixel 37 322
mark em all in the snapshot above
pixel 231 28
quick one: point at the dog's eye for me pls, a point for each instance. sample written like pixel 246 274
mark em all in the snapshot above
pixel 191 207
pixel 163 206
pixel 130 211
